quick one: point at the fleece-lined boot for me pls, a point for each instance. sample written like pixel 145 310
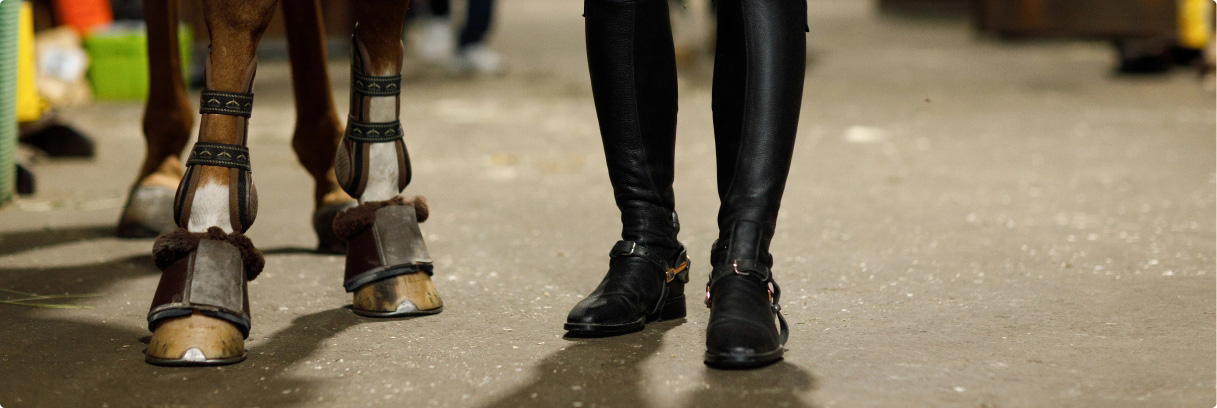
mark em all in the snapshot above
pixel 388 269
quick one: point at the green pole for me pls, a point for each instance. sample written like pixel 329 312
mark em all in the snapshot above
pixel 9 12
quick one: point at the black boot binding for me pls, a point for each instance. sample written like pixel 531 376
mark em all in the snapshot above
pixel 758 87
pixel 633 72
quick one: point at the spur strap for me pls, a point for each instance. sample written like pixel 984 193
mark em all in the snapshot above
pixel 756 270
pixel 677 272
pixel 671 272
pixel 226 103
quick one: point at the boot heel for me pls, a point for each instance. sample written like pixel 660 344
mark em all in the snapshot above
pixel 674 308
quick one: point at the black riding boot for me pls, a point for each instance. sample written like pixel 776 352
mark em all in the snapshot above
pixel 633 70
pixel 758 89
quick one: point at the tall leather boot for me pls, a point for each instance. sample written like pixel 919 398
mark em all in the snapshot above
pixel 758 88
pixel 633 71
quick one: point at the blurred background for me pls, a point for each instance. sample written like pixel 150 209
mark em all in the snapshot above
pixel 993 203
pixel 72 53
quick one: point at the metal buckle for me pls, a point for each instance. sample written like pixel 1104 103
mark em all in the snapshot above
pixel 670 274
pixel 618 251
pixel 707 295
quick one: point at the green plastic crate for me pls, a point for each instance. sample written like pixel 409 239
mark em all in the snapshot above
pixel 118 61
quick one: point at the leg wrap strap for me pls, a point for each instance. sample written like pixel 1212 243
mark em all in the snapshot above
pixel 243 196
pixel 205 272
pixel 383 240
pixel 226 103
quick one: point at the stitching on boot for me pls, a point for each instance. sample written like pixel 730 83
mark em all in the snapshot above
pixel 173 246
pixel 355 220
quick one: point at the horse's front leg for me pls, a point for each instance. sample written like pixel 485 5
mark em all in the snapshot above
pixel 317 127
pixel 200 313
pixel 387 268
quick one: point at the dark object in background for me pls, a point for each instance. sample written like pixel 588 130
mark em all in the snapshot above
pixel 59 141
pixel 1152 55
pixel 927 8
pixel 1147 35
pixel 128 9
pixel 25 180
pixel 1100 19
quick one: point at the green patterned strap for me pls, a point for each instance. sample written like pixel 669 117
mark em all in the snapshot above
pixel 219 154
pixel 373 132
pixel 376 85
pixel 227 103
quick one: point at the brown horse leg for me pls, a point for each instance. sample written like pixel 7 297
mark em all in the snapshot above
pixel 167 122
pixel 317 127
pixel 388 268
pixel 200 313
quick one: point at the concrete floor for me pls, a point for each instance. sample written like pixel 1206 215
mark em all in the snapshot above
pixel 968 224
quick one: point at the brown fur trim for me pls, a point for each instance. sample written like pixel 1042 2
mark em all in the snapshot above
pixel 354 220
pixel 173 246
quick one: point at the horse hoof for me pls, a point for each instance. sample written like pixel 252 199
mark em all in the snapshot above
pixel 194 341
pixel 148 213
pixel 323 223
pixel 401 295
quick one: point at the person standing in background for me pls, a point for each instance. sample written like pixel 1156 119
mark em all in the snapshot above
pixel 467 53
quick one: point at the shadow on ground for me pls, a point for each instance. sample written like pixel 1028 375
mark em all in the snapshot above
pixel 21 241
pixel 608 372
pixel 56 358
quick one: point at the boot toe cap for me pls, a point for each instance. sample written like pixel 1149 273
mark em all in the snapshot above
pixel 603 310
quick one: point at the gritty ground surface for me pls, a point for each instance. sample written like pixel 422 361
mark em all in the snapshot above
pixel 968 224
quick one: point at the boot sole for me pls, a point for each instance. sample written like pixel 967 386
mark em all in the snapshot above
pixel 673 308
pixel 742 361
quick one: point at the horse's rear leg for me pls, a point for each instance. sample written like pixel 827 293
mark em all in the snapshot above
pixel 167 122
pixel 200 313
pixel 388 268
pixel 317 127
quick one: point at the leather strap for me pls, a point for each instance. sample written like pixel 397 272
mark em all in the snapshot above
pixel 370 85
pixel 373 132
pixel 243 196
pixel 226 103
pixel 671 272
pixel 759 271
pixel 631 248
pixel 219 154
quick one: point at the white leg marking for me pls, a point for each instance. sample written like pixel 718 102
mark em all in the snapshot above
pixel 382 157
pixel 210 209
